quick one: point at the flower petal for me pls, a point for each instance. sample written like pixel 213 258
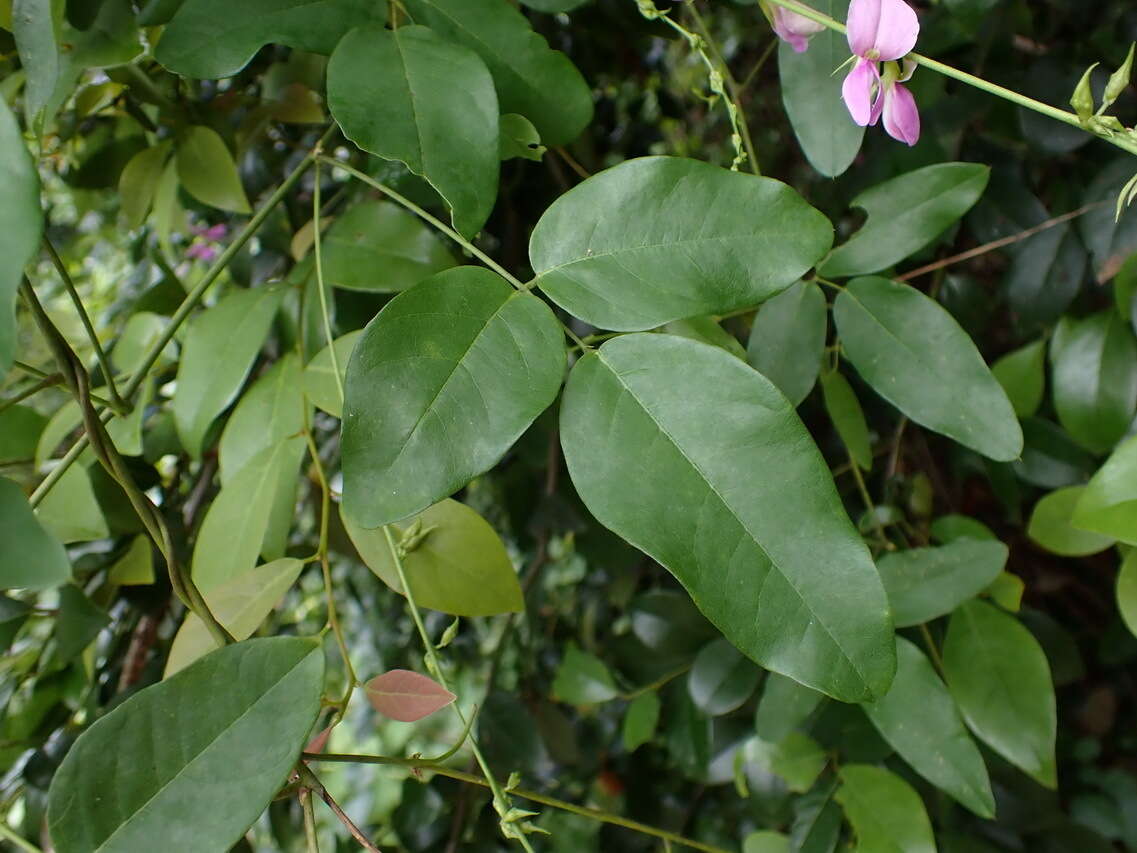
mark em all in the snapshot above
pixel 901 117
pixel 862 24
pixel 794 28
pixel 898 29
pixel 857 91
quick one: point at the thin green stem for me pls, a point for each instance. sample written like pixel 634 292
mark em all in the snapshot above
pixel 1123 142
pixel 933 652
pixel 532 796
pixel 870 507
pixel 184 310
pixel 320 286
pixel 56 379
pixel 500 799
pixel 7 834
pixel 655 685
pixel 311 841
pixel 30 391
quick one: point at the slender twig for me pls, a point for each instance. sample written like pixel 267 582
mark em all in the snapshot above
pixel 320 286
pixel 30 391
pixel 572 162
pixel 55 379
pixel 310 839
pixel 933 652
pixel 532 796
pixel 7 834
pixel 870 507
pixel 309 780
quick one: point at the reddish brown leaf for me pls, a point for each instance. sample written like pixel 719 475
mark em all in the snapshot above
pixel 406 696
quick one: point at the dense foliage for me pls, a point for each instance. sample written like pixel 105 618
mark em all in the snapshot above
pixel 579 425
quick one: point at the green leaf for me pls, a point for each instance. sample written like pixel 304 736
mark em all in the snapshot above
pixel 678 248
pixel 241 605
pixel 136 566
pixel 319 378
pixel 441 384
pixel 1108 505
pixel 70 511
pixel 519 138
pixel 379 247
pixel 531 79
pixel 1094 376
pixel 999 677
pixel 458 565
pixel 583 679
pixel 919 720
pixel 217 38
pixel 1051 525
pixel 207 171
pixel 914 354
pixel 640 720
pixel 1022 375
pixel 887 815
pixel 817 822
pixel 175 751
pixel 410 95
pixel 705 329
pixel 239 518
pixel 20 429
pixel 139 181
pixel 21 222
pixel 924 583
pixel 784 706
pixel 949 528
pixel 220 347
pixel 13 614
pixel 721 679
pixel 905 214
pixel 1007 591
pixel 811 94
pixel 788 338
pixel 553 6
pixel 1051 459
pixel 79 623
pixel 848 417
pixel 728 534
pixel 42 562
pixel 766 841
pixel 1127 591
pixel 797 759
pixel 36 25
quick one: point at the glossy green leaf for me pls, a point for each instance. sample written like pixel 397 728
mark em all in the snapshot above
pixel 1127 591
pixel 531 79
pixel 949 528
pixel 1051 458
pixel 848 417
pixel 42 562
pixel 765 841
pixel 458 564
pixel 919 720
pixel 141 331
pixel 705 329
pixel 905 214
pixel 678 248
pixel 924 583
pixel 788 338
pixel 79 623
pixel 220 347
pixel 139 181
pixel 136 566
pixel 377 246
pixel 915 355
pixel 240 604
pixel 441 384
pixel 237 521
pixel 217 38
pixel 886 814
pixel 811 94
pixel 376 84
pixel 1094 376
pixel 1023 376
pixel 999 677
pixel 583 679
pixel 21 222
pixel 196 758
pixel 721 679
pixel 1006 591
pixel 519 138
pixel 797 759
pixel 817 822
pixel 640 720
pixel 20 429
pixel 319 377
pixel 1108 505
pixel 784 706
pixel 721 510
pixel 70 511
pixel 207 170
pixel 1052 525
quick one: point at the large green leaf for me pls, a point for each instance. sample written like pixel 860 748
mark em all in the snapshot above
pixel 20 224
pixel 531 79
pixel 36 26
pixel 784 706
pixel 887 815
pixel 1094 375
pixel 1023 376
pixel 70 511
pixel 914 354
pixel 34 560
pixel 811 94
pixel 441 384
pixel 241 605
pixel 919 720
pixel 207 170
pixel 320 383
pixel 459 566
pixel 219 350
pixel 1109 503
pixel 721 678
pixel 378 246
pixel 788 338
pixel 217 38
pixel 924 583
pixel 194 760
pixel 905 214
pixel 410 95
pixel 1052 525
pixel 661 238
pixel 734 476
pixel 1001 682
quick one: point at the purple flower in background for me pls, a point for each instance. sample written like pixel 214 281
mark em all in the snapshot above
pixel 882 31
pixel 794 28
pixel 205 246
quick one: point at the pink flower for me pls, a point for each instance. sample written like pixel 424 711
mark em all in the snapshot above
pixel 794 28
pixel 882 31
pixel 201 252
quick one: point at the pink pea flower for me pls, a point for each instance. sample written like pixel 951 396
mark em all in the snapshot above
pixel 201 252
pixel 882 31
pixel 794 28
